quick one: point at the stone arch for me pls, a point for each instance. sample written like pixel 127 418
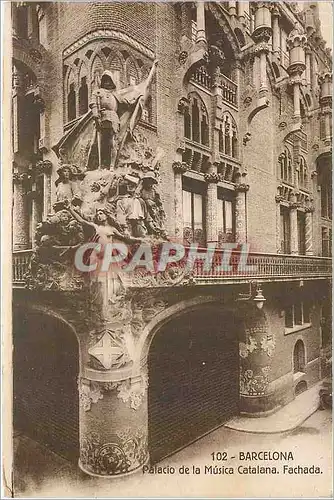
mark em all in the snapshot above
pixel 197 125
pixel 226 27
pixel 33 65
pixel 163 317
pixel 46 365
pixel 131 71
pixel 299 356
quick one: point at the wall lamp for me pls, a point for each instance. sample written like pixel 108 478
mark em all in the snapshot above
pixel 255 294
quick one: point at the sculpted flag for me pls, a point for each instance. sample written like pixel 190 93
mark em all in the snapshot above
pixel 79 144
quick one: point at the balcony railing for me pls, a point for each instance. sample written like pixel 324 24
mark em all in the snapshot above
pixel 266 267
pixel 20 264
pixel 228 89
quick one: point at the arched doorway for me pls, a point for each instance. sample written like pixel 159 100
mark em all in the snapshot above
pixel 45 371
pixel 299 357
pixel 193 378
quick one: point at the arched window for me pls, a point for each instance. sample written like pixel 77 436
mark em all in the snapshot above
pixel 196 121
pixel 83 91
pixel 299 357
pixel 71 97
pixel 285 163
pixel 303 173
pixel 228 137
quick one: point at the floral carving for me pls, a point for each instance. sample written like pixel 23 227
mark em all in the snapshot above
pixel 254 385
pixel 133 394
pixel 268 346
pixel 89 393
pixel 126 451
pixel 246 348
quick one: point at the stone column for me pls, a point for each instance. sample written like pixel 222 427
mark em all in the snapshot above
pixel 201 35
pixel 278 199
pixel 45 167
pixel 261 36
pixel 309 230
pixel 20 214
pixel 296 42
pixel 179 169
pixel 113 396
pixel 232 8
pixel 294 225
pixel 211 205
pixel 325 100
pixel 256 352
pixel 276 30
pixel 240 213
pixel 308 65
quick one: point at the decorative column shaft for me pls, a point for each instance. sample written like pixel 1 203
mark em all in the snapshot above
pixel 308 66
pixel 201 36
pixel 294 226
pixel 179 169
pixel 309 231
pixel 20 214
pixel 240 213
pixel 256 353
pixel 261 35
pixel 296 42
pixel 325 100
pixel 211 205
pixel 276 30
pixel 278 199
pixel 113 396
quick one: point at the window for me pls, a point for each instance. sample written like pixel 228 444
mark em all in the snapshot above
pixel 285 163
pixel 326 197
pixel 83 96
pixel 302 173
pixel 301 232
pixel 285 230
pixel 297 314
pixel 299 357
pixel 326 241
pixel 228 139
pixel 196 122
pixel 71 103
pixel 193 214
pixel 225 217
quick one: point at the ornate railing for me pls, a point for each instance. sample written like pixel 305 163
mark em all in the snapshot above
pixel 229 90
pixel 266 267
pixel 20 266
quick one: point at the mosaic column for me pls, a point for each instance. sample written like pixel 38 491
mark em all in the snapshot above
pixel 179 169
pixel 309 230
pixel 256 352
pixel 294 226
pixel 261 36
pixel 20 215
pixel 275 13
pixel 211 205
pixel 278 198
pixel 201 36
pixel 296 42
pixel 113 399
pixel 240 213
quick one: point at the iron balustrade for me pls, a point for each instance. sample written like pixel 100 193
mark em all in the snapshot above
pixel 20 266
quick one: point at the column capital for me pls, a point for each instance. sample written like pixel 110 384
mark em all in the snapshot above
pixel 296 38
pixel 211 177
pixel 241 188
pixel 43 167
pixel 180 167
pixel 279 198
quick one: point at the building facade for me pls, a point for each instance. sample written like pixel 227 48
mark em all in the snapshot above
pixel 235 126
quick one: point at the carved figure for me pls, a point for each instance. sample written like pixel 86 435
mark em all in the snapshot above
pixel 130 210
pixel 154 210
pixel 116 114
pixel 66 186
pixel 104 227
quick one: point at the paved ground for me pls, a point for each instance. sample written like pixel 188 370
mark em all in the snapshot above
pixel 40 473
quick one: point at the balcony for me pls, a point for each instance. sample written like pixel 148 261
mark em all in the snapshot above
pixel 228 89
pixel 266 267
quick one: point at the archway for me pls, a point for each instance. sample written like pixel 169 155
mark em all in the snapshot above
pixel 193 378
pixel 299 357
pixel 45 371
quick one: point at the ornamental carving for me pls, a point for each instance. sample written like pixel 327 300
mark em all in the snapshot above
pixel 125 451
pixel 212 177
pixel 241 188
pixel 180 167
pixel 246 348
pixel 254 385
pixel 183 104
pixel 110 350
pixel 183 56
pixel 268 345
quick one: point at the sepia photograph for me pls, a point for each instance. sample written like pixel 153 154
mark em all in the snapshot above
pixel 167 296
